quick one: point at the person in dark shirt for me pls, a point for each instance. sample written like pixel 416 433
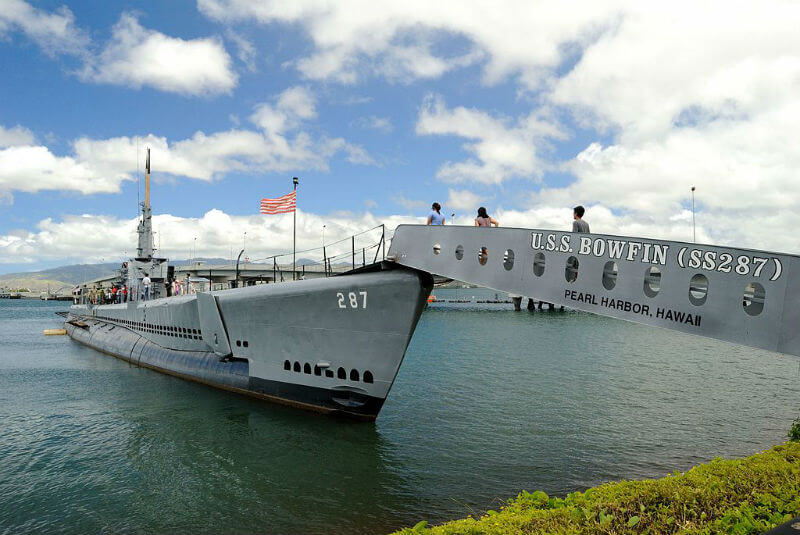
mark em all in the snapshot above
pixel 578 224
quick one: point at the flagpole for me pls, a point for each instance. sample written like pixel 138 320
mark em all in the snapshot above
pixel 294 231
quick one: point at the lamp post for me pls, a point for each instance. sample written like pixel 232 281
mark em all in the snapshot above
pixel 236 279
pixel 694 230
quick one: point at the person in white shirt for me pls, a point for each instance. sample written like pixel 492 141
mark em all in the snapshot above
pixel 146 282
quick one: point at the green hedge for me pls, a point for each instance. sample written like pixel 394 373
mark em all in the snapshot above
pixel 740 496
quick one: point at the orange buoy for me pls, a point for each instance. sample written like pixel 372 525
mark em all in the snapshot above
pixel 431 298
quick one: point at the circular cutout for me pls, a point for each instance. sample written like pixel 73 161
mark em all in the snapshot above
pixel 610 275
pixel 698 289
pixel 571 270
pixel 483 256
pixel 459 252
pixel 508 259
pixel 754 297
pixel 437 248
pixel 538 264
pixel 652 282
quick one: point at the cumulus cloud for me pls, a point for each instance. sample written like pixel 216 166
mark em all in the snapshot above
pixel 99 166
pixel 462 199
pixel 137 56
pixel 15 136
pixel 82 238
pixel 398 40
pixel 55 33
pixel 502 148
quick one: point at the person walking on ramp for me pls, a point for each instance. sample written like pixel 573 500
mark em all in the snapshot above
pixel 483 219
pixel 578 224
pixel 436 217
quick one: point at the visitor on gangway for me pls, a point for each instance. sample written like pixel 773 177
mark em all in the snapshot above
pixel 483 219
pixel 436 217
pixel 578 224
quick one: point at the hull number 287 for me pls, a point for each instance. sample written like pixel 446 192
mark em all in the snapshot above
pixel 352 299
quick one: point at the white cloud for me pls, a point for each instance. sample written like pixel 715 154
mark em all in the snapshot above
pixel 81 238
pixel 373 122
pixel 136 56
pixel 398 40
pixel 15 136
pixel 100 166
pixel 412 205
pixel 34 168
pixel 502 148
pixel 92 237
pixel 55 33
pixel 462 199
pixel 293 106
pixel 245 50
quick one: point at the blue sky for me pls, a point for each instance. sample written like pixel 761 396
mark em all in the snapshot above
pixel 381 109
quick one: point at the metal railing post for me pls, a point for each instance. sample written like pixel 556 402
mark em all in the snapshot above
pixel 363 257
pixel 353 239
pixel 325 260
pixel 383 239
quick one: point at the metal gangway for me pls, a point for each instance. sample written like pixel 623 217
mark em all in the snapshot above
pixel 744 296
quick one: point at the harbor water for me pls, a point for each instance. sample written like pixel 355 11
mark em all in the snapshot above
pixel 488 402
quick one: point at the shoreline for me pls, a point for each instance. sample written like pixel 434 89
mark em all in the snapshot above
pixel 742 496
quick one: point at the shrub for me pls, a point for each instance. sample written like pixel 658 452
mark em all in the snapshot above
pixel 741 496
pixel 794 431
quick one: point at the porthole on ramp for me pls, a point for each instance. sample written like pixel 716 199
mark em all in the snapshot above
pixel 753 299
pixel 483 256
pixel 652 281
pixel 610 271
pixel 571 269
pixel 508 259
pixel 538 264
pixel 698 289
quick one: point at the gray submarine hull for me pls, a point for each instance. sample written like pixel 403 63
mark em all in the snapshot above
pixel 332 345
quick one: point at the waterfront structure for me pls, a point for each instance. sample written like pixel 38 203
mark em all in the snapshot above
pixel 744 296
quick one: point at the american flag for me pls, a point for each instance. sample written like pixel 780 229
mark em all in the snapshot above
pixel 280 205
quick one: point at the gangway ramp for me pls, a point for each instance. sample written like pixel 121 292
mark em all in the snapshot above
pixel 744 296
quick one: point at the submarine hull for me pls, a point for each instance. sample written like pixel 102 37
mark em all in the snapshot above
pixel 331 345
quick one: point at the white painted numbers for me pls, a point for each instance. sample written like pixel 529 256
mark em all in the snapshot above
pixel 724 262
pixel 351 299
